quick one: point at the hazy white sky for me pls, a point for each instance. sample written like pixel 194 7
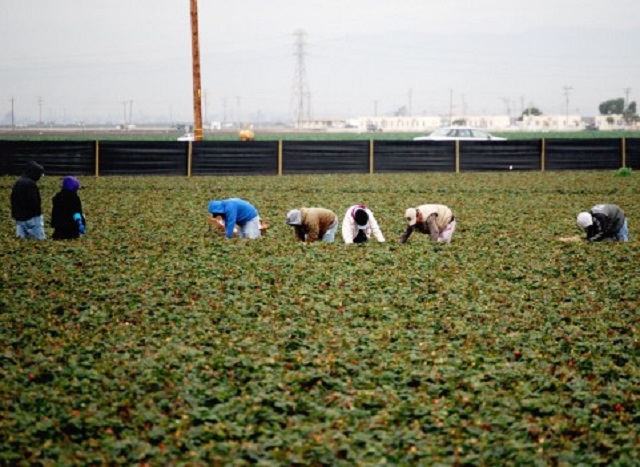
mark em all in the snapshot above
pixel 69 60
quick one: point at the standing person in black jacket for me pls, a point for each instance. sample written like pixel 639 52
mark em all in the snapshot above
pixel 26 205
pixel 67 218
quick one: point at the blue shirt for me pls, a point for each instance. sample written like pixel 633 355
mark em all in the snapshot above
pixel 235 211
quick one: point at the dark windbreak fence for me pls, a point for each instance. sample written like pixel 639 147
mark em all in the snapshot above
pixel 306 157
pixel 508 155
pixel 632 151
pixel 232 158
pixel 574 154
pixel 413 156
pixel 58 158
pixel 315 157
pixel 142 158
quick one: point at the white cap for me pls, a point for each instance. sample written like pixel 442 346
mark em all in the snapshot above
pixel 411 216
pixel 584 220
pixel 294 217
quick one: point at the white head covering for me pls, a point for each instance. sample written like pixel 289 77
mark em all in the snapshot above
pixel 411 216
pixel 294 217
pixel 584 220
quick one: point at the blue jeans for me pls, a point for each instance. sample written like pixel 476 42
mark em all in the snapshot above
pixel 32 228
pixel 250 229
pixel 330 235
pixel 623 233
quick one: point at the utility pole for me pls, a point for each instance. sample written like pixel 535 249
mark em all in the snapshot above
pixel 567 91
pixel 626 98
pixel 625 111
pixel 197 89
pixel 224 109
pixel 13 121
pixel 300 86
pixel 238 118
pixel 124 115
pixel 507 103
pixel 40 102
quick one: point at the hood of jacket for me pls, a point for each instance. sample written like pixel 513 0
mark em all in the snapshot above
pixel 216 207
pixel 34 171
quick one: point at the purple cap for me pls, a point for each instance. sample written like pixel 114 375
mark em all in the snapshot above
pixel 70 183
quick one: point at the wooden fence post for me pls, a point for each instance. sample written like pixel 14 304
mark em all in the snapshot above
pixel 543 155
pixel 371 156
pixel 97 159
pixel 624 152
pixel 457 156
pixel 280 157
pixel 189 158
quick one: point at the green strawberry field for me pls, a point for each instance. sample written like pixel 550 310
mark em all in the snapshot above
pixel 153 341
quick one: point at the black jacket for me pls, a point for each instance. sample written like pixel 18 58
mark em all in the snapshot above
pixel 25 195
pixel 65 204
pixel 608 219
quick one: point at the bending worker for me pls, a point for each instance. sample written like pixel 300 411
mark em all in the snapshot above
pixel 359 224
pixel 313 224
pixel 604 222
pixel 437 220
pixel 236 211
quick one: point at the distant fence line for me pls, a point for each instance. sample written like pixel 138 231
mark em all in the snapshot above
pixel 103 158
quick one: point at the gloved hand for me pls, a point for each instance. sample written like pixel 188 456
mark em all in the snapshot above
pixel 78 218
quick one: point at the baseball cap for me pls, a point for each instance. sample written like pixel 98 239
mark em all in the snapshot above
pixel 411 216
pixel 584 219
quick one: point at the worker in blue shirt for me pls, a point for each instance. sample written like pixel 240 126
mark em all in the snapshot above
pixel 236 211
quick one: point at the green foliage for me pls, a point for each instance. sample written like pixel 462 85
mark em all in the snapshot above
pixel 152 341
pixel 529 111
pixel 612 106
pixel 624 172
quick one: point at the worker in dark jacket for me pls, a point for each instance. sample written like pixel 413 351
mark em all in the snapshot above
pixel 604 222
pixel 67 218
pixel 26 205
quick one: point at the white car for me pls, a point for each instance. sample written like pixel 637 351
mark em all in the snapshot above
pixel 187 137
pixel 463 133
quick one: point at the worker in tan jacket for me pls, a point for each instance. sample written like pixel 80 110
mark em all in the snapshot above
pixel 313 224
pixel 437 220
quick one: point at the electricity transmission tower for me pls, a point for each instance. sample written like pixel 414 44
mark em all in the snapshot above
pixel 300 85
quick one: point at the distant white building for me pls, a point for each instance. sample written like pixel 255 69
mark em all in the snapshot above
pixel 426 123
pixel 610 122
pixel 552 123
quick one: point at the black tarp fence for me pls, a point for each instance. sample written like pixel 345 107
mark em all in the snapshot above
pixel 315 157
pixel 509 155
pixel 323 157
pixel 58 157
pixel 581 154
pixel 632 152
pixel 142 158
pixel 231 158
pixel 413 156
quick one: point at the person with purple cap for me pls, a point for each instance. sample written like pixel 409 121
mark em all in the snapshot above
pixel 67 218
pixel 359 224
pixel 26 204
